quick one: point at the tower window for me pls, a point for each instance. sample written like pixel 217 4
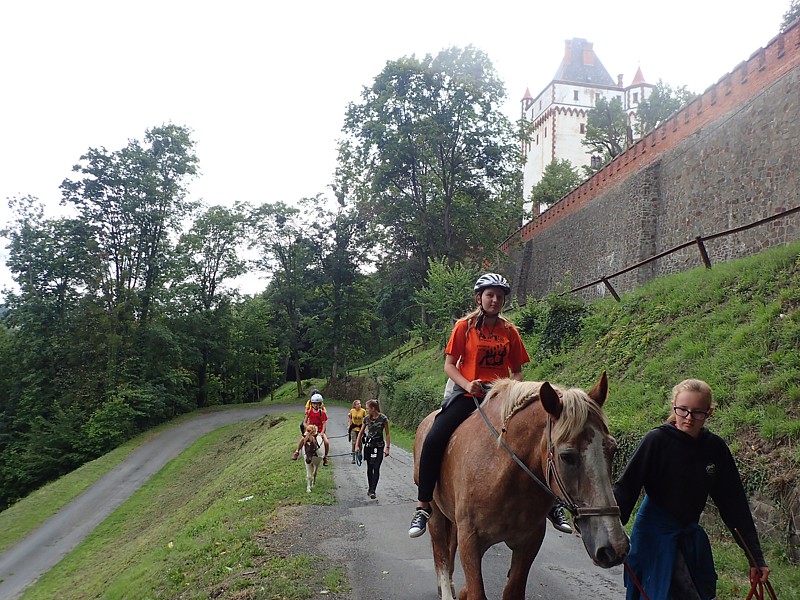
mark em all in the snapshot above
pixel 583 127
pixel 576 95
pixel 636 97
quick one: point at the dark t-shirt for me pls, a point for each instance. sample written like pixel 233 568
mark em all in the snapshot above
pixel 373 431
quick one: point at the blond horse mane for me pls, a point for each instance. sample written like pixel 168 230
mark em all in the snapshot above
pixel 577 407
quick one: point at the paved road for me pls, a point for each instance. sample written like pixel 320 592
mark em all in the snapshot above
pixel 383 562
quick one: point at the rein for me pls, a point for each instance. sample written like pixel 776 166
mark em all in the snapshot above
pixel 567 502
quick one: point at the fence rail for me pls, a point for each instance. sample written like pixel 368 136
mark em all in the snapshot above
pixel 397 356
pixel 699 241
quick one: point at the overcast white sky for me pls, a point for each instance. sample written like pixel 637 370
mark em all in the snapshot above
pixel 264 85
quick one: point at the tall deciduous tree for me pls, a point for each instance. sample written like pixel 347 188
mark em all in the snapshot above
pixel 431 159
pixel 283 239
pixel 607 132
pixel 559 178
pixel 210 254
pixel 344 309
pixel 662 102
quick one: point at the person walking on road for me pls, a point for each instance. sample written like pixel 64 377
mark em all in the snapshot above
pixel 370 438
pixel 679 464
pixel 355 418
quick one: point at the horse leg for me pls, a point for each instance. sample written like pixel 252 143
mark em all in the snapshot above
pixel 309 478
pixel 521 562
pixel 471 556
pixel 440 529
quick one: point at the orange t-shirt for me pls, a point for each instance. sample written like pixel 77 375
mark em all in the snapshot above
pixel 489 354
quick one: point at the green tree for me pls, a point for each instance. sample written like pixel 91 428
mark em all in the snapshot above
pixel 343 308
pixel 210 254
pixel 559 178
pixel 287 253
pixel 445 297
pixel 607 132
pixel 660 105
pixel 791 14
pixel 431 160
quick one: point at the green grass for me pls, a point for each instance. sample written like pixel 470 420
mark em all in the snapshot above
pixel 193 530
pixel 26 515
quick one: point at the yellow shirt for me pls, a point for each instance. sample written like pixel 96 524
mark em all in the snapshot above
pixel 357 417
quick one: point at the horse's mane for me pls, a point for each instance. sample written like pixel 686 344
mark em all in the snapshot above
pixel 577 407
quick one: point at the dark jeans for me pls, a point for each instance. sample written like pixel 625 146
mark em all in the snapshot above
pixel 373 458
pixel 435 444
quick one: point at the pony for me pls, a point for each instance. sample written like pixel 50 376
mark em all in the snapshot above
pixel 312 442
pixel 484 496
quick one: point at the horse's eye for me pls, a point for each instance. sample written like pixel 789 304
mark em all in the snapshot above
pixel 569 457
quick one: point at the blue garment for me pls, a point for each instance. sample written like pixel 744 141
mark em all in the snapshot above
pixel 655 538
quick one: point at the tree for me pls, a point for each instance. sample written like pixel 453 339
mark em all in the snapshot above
pixel 606 132
pixel 287 253
pixel 660 105
pixel 342 307
pixel 791 15
pixel 210 254
pixel 560 177
pixel 446 296
pixel 431 160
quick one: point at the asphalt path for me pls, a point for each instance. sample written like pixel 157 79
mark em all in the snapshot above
pixel 372 535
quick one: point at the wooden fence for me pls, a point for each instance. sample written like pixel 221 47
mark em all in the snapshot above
pixel 699 241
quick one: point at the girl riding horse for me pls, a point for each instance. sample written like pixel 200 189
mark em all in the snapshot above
pixel 483 347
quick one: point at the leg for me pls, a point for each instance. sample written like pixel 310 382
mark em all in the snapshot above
pixel 376 470
pixel 682 586
pixel 471 552
pixel 442 533
pixel 327 449
pixel 521 561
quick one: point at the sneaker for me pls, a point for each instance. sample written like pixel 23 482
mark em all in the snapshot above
pixel 372 495
pixel 325 464
pixel 296 454
pixel 419 523
pixel 559 519
pixel 353 461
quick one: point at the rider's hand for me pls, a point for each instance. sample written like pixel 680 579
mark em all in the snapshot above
pixel 476 388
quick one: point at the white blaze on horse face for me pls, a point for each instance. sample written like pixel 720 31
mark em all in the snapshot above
pixel 603 536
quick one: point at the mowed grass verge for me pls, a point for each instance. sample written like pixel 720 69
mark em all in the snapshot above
pixel 194 529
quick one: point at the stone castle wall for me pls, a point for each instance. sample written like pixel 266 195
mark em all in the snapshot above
pixel 729 158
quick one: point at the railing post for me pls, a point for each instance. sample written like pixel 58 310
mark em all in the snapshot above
pixel 703 253
pixel 607 283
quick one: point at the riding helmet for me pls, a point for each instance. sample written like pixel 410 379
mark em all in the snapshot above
pixel 492 280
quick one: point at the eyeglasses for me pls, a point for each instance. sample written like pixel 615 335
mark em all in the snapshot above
pixel 700 415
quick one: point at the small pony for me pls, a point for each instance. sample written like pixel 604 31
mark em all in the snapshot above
pixel 312 442
pixel 483 497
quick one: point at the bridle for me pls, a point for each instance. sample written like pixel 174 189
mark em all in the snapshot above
pixel 311 440
pixel 552 475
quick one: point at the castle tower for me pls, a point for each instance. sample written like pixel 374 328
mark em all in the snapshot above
pixel 557 115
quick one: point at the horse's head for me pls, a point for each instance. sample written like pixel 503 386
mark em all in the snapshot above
pixel 310 442
pixel 580 453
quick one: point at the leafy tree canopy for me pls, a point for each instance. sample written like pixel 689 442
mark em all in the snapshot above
pixel 663 102
pixel 791 15
pixel 559 178
pixel 430 159
pixel 606 132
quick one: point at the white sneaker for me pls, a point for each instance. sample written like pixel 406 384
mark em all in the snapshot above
pixel 419 523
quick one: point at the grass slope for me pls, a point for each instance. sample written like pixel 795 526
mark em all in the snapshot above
pixel 195 529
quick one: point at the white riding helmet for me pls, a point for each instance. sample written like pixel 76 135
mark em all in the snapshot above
pixel 316 399
pixel 492 280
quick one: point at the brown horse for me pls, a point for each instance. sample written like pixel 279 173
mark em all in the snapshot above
pixel 483 497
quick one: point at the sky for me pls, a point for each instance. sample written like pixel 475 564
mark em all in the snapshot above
pixel 264 85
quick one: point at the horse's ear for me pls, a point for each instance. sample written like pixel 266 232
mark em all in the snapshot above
pixel 550 400
pixel 600 390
